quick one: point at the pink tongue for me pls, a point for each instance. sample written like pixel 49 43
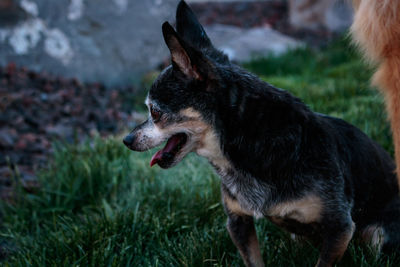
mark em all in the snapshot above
pixel 155 158
pixel 171 144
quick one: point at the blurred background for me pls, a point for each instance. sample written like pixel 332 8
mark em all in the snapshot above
pixel 73 78
pixel 73 67
pixel 115 42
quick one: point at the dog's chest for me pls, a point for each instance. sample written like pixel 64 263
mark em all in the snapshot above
pixel 245 195
pixel 249 196
pixel 253 198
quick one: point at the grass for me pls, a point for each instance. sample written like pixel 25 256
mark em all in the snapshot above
pixel 101 205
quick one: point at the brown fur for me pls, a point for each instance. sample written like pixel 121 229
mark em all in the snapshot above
pixel 305 210
pixel 255 252
pixel 234 207
pixel 250 250
pixel 373 235
pixel 334 253
pixel 376 30
pixel 251 254
pixel 208 144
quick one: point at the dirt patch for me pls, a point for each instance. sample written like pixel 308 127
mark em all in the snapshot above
pixel 37 109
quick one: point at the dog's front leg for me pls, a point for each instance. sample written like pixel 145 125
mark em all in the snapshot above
pixel 336 238
pixel 243 233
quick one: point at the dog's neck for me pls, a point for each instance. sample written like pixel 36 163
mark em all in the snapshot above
pixel 210 148
pixel 258 115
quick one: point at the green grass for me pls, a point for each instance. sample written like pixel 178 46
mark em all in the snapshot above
pixel 101 205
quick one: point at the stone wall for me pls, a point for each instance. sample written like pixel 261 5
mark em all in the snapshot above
pixel 111 41
pixel 333 15
pixel 116 41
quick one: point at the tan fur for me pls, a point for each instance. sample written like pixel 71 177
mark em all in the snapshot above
pixel 192 124
pixel 190 113
pixel 209 148
pixel 305 210
pixel 376 30
pixel 207 142
pixel 234 207
pixel 255 252
pixel 374 236
pixel 344 242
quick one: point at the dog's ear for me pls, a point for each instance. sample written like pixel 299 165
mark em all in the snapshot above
pixel 187 59
pixel 190 28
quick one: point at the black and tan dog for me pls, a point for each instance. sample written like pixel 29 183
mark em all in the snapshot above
pixel 312 174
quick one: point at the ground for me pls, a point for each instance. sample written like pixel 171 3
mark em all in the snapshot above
pixel 100 204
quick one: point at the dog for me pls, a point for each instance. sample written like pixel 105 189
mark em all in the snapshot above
pixel 313 175
pixel 376 31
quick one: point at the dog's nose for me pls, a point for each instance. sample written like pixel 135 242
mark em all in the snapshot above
pixel 128 140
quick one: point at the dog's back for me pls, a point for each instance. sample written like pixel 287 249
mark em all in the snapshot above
pixel 372 177
pixel 370 182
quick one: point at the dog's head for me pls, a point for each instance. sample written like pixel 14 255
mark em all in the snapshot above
pixel 182 98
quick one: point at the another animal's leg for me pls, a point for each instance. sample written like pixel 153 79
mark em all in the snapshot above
pixel 376 30
pixel 387 78
pixel 336 237
pixel 243 234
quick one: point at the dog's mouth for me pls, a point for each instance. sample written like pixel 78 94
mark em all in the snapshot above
pixel 166 156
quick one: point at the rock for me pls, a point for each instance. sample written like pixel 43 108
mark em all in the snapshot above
pixel 242 45
pixel 7 138
pixel 60 130
pixel 115 42
pixel 244 14
pixel 38 108
pixel 334 15
pixel 339 16
pixel 112 42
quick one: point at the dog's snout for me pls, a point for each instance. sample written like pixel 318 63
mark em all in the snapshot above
pixel 129 139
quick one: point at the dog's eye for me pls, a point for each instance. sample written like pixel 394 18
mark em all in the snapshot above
pixel 155 114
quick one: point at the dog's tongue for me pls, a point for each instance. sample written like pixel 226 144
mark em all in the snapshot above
pixel 171 144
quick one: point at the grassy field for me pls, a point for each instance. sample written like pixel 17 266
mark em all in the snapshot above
pixel 101 205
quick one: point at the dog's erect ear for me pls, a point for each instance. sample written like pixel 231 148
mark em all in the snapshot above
pixel 185 58
pixel 190 28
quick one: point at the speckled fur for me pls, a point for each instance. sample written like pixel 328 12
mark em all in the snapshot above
pixel 314 175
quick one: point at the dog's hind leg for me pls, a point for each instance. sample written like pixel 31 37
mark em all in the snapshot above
pixel 243 234
pixel 387 78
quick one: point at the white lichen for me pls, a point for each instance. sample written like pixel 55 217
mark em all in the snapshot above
pixel 30 7
pixel 26 36
pixel 57 45
pixel 3 35
pixel 121 4
pixel 75 10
